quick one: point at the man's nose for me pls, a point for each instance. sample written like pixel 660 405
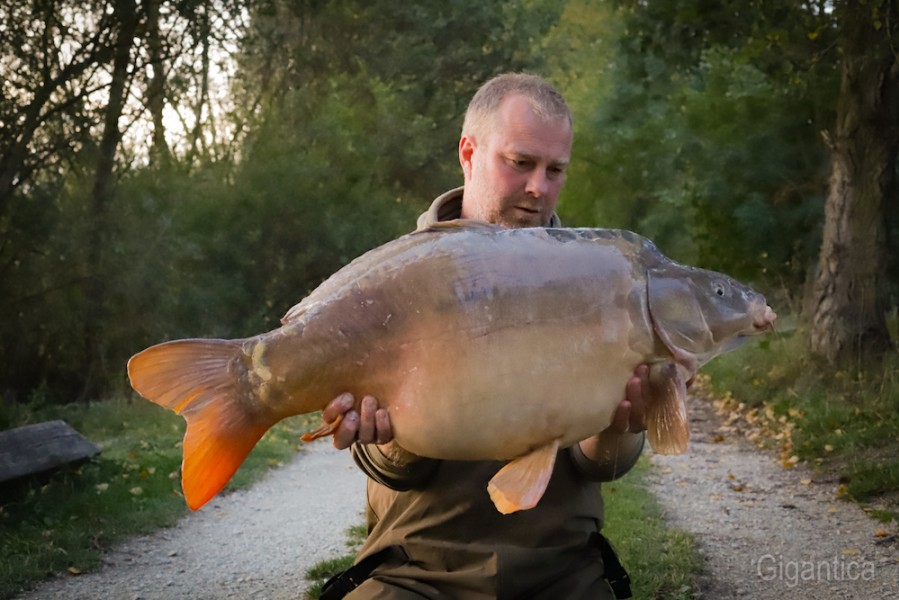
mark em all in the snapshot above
pixel 538 184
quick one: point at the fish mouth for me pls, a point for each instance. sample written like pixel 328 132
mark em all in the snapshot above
pixel 766 320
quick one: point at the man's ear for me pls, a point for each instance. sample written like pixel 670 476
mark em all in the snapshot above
pixel 467 147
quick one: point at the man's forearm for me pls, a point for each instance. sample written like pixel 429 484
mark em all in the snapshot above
pixel 608 455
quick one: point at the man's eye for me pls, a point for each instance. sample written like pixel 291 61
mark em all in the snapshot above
pixel 556 171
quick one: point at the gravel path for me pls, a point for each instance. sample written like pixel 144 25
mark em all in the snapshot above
pixel 766 532
pixel 250 544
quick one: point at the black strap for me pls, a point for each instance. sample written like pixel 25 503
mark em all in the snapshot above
pixel 343 583
pixel 618 579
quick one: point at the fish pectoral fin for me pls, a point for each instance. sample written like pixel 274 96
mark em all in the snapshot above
pixel 666 410
pixel 520 484
pixel 324 430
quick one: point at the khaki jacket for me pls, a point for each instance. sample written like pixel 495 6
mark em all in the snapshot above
pixel 458 545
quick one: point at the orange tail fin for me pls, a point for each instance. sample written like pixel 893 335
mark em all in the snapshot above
pixel 197 379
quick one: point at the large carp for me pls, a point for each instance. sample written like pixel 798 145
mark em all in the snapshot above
pixel 481 342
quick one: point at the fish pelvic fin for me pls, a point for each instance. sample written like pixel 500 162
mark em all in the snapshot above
pixel 521 483
pixel 197 379
pixel 666 411
pixel 325 430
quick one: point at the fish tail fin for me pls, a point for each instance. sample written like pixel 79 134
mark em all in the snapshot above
pixel 666 412
pixel 196 379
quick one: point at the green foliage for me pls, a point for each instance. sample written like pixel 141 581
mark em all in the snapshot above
pixel 754 183
pixel 707 135
pixel 67 519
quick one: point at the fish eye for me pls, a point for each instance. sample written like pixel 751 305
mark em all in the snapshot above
pixel 720 288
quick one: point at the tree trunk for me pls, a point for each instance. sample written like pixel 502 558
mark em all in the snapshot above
pixel 103 190
pixel 159 151
pixel 203 27
pixel 849 323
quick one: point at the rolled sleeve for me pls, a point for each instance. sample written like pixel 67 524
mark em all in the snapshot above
pixel 608 470
pixel 400 470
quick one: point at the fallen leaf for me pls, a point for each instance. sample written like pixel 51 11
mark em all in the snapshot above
pixel 74 570
pixel 805 481
pixel 881 533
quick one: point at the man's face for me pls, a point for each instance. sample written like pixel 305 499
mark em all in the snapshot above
pixel 514 174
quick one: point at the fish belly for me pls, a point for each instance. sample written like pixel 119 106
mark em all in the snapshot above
pixel 500 395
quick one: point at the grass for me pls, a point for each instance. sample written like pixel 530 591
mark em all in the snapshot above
pixel 324 570
pixel 844 424
pixel 662 562
pixel 64 521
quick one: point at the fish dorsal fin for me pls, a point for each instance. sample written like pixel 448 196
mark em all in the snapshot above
pixel 521 483
pixel 459 225
pixel 666 411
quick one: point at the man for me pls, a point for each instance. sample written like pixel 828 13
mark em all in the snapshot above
pixel 433 531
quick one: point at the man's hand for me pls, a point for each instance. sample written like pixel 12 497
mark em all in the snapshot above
pixel 370 424
pixel 615 450
pixel 630 416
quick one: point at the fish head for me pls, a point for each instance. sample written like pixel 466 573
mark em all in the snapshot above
pixel 700 314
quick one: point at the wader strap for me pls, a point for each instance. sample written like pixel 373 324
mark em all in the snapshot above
pixel 343 583
pixel 617 577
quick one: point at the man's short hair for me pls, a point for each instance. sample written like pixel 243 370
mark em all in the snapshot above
pixel 545 99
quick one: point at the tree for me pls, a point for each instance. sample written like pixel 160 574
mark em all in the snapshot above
pixel 159 151
pixel 47 79
pixel 83 88
pixel 705 137
pixel 849 323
